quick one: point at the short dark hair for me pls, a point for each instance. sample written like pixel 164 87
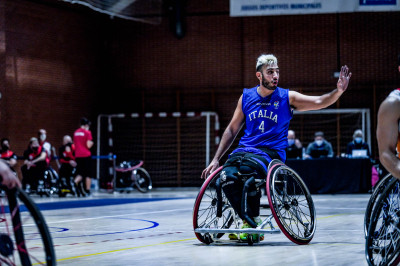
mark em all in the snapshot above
pixel 319 134
pixel 85 121
pixel 4 139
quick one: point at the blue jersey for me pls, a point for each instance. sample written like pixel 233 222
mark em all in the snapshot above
pixel 267 122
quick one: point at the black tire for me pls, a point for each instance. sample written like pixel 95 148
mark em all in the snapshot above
pixel 379 188
pixel 31 239
pixel 382 246
pixel 291 203
pixel 142 180
pixel 205 209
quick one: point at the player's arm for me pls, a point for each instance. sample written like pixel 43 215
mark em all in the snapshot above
pixel 7 177
pixel 387 134
pixel 42 157
pixel 227 139
pixel 303 102
pixel 89 144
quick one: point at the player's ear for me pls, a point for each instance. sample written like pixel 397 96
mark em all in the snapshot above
pixel 259 75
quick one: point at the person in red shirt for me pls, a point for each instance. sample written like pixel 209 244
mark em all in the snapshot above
pixel 46 146
pixel 83 142
pixel 68 164
pixel 8 155
pixel 34 165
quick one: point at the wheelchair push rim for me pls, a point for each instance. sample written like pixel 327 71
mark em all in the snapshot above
pixel 382 245
pixel 205 210
pixel 291 203
pixel 25 228
pixel 142 180
pixel 379 188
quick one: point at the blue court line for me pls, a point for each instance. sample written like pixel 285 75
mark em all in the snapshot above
pixel 45 206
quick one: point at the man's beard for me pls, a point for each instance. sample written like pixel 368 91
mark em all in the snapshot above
pixel 266 84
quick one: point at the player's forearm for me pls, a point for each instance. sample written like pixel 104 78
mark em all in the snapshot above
pixel 226 141
pixel 391 163
pixel 329 98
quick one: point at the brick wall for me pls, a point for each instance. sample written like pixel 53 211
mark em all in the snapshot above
pixel 59 63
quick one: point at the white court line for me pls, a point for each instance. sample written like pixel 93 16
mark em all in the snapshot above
pixel 111 216
pixel 341 208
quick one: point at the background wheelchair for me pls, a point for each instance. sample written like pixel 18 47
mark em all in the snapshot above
pixel 130 175
pixel 24 235
pixel 289 200
pixel 49 184
pixel 382 223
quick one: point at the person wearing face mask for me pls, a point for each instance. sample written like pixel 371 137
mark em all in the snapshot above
pixel 294 148
pixel 46 146
pixel 68 165
pixel 34 165
pixel 8 156
pixel 357 145
pixel 320 147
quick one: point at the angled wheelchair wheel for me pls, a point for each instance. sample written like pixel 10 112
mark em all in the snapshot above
pixel 291 203
pixel 382 246
pixel 142 180
pixel 212 211
pixel 24 235
pixel 379 188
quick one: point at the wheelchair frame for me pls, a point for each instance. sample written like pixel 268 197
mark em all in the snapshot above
pixel 382 218
pixel 285 208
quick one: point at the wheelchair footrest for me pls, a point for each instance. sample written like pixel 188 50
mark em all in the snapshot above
pixel 237 231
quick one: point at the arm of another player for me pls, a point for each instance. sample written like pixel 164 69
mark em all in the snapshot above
pixel 303 102
pixel 7 177
pixel 387 134
pixel 227 139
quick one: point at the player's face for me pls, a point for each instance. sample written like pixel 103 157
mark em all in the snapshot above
pixel 270 77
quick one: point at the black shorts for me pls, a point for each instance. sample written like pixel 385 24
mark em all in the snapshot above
pixel 84 166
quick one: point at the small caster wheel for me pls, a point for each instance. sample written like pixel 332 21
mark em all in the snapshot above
pixel 208 239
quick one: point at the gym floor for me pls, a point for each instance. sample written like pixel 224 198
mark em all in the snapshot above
pixel 156 229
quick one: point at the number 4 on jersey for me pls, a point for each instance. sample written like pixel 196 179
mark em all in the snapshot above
pixel 261 127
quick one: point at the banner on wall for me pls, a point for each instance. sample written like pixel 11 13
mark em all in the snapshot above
pixel 240 8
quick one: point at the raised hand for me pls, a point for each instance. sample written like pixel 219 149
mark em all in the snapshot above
pixel 344 78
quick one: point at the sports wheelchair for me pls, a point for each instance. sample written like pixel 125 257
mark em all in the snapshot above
pixel 24 236
pixel 46 182
pixel 289 200
pixel 130 175
pixel 382 223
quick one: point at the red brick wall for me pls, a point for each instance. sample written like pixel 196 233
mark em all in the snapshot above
pixel 50 67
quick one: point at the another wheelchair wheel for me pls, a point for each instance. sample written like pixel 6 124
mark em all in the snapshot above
pixel 205 211
pixel 379 188
pixel 291 203
pixel 382 245
pixel 142 180
pixel 23 232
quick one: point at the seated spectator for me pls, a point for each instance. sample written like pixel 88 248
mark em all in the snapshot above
pixel 67 161
pixel 46 146
pixel 8 156
pixel 34 165
pixel 357 147
pixel 294 148
pixel 320 147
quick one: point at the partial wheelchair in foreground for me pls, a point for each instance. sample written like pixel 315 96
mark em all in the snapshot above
pixel 382 223
pixel 290 202
pixel 132 175
pixel 24 235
